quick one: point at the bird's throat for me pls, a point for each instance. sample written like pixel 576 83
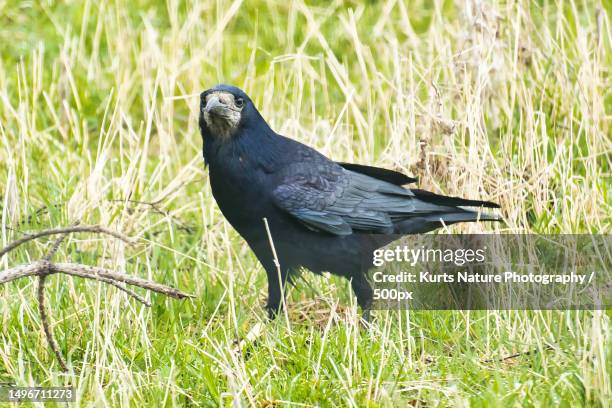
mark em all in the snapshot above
pixel 222 128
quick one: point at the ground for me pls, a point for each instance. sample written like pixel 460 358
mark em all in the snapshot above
pixel 506 102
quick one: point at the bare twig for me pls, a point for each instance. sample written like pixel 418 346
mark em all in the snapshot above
pixel 20 271
pixel 94 272
pixel 127 290
pixel 97 229
pixel 44 318
pixel 45 267
pixel 56 245
pixel 87 272
pixel 42 309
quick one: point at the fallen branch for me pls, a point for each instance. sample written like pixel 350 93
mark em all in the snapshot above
pixel 45 267
pixel 42 309
pixel 44 318
pixel 87 272
pixel 127 290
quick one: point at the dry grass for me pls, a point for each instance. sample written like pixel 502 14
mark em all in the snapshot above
pixel 507 102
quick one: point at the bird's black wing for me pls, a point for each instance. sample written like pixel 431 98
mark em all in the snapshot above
pixel 326 197
pixel 306 191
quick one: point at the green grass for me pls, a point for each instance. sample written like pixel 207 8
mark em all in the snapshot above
pixel 507 102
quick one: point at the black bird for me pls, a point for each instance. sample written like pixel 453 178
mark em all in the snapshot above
pixel 322 215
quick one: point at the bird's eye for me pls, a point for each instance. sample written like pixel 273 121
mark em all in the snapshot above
pixel 239 102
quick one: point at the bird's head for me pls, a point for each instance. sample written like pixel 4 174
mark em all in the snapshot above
pixel 223 110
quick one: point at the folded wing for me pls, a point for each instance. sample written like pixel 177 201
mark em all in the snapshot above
pixel 327 197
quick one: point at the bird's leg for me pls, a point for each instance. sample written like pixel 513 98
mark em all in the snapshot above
pixel 366 315
pixel 276 291
pixel 364 294
pixel 274 300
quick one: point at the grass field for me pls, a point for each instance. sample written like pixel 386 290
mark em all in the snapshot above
pixel 508 102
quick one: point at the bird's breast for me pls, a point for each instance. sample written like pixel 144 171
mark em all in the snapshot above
pixel 240 193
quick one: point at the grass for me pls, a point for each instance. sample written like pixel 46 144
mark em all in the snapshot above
pixel 508 102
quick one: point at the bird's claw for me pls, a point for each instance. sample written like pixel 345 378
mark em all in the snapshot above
pixel 365 318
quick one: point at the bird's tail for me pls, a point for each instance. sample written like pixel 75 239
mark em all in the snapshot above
pixel 452 210
pixel 433 198
pixel 430 222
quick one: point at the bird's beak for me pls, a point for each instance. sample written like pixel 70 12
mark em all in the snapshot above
pixel 216 107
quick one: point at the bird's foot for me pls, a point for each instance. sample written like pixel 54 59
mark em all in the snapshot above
pixel 273 311
pixel 365 319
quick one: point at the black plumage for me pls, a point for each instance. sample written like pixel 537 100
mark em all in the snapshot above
pixel 322 215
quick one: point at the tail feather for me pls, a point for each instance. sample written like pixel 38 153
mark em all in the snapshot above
pixel 438 199
pixel 430 222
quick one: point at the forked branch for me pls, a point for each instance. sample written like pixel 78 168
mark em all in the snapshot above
pixel 45 267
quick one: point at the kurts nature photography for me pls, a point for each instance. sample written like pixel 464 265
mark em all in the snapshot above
pixel 291 203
